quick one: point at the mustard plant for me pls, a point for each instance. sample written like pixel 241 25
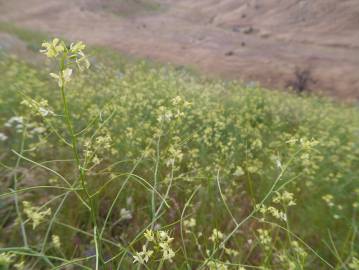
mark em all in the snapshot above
pixel 139 167
pixel 67 59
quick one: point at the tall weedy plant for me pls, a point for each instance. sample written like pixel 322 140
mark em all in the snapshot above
pixel 68 58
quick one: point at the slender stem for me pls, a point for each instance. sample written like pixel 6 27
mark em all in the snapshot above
pixel 77 159
pixel 16 199
pixel 254 211
pixel 249 179
pixel 153 198
pixel 47 234
pixel 160 265
pixel 118 196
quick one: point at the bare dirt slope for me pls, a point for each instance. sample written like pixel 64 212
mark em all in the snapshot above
pixel 251 40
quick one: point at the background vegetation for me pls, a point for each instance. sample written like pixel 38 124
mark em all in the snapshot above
pixel 240 177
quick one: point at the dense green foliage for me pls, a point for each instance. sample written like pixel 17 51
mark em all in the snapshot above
pixel 203 154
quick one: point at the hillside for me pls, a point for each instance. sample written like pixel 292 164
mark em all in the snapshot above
pixel 179 134
pixel 128 165
pixel 246 40
pixel 325 17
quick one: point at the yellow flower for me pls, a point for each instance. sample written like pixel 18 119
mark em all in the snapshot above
pixel 77 47
pixel 52 49
pixel 216 236
pixel 150 236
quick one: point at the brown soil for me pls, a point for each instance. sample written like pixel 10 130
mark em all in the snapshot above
pixel 250 40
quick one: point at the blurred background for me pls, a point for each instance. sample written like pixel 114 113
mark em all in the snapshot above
pixel 286 44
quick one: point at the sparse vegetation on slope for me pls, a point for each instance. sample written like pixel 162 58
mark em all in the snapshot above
pixel 149 168
pixel 130 7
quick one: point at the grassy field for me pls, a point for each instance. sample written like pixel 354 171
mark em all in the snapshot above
pixel 135 166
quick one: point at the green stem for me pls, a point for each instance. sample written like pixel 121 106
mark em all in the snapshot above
pixel 160 265
pixel 78 162
pixel 16 199
pixel 153 198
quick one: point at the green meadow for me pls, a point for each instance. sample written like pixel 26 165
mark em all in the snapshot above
pixel 110 163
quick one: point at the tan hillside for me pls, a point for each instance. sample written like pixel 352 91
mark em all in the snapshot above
pixel 265 41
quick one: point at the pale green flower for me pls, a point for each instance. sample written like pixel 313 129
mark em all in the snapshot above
pixel 34 213
pixel 56 241
pixel 6 259
pixel 82 62
pixel 143 256
pixel 215 265
pixel 286 197
pixel 328 198
pixel 354 264
pixel 150 236
pixel 239 171
pixel 189 223
pixel 20 265
pixel 52 49
pixel 164 237
pixel 63 77
pixel 167 251
pixel 216 236
pixel 77 47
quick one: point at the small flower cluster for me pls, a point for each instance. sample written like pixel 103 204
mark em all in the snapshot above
pixel 161 242
pixel 354 264
pixel 53 49
pixel 189 224
pixel 56 241
pixel 17 122
pixel 63 77
pixel 238 171
pixel 40 108
pixel 329 199
pixel 35 214
pixel 97 147
pixel 276 213
pixel 217 265
pixel 216 236
pixel 175 154
pixel 143 256
pixel 298 250
pixel 6 259
pixel 177 112
pixel 286 198
pixel 73 55
pixel 264 238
